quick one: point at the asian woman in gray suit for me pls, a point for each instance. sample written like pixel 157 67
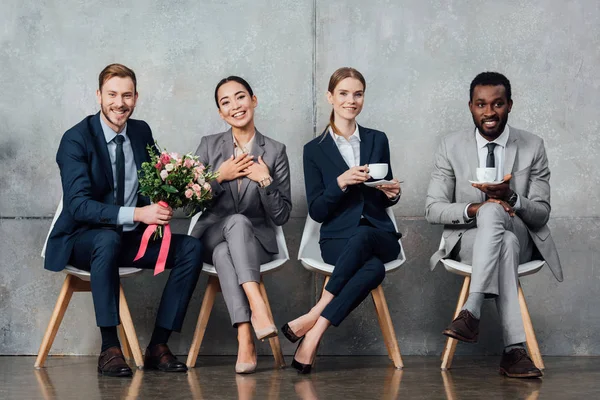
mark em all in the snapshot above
pixel 251 193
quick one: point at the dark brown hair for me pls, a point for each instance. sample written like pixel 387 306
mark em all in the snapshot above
pixel 339 75
pixel 112 70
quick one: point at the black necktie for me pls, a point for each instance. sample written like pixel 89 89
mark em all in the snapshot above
pixel 490 161
pixel 120 200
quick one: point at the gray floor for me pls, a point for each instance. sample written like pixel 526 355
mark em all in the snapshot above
pixel 334 378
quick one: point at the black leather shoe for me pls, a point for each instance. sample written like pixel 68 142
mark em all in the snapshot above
pixel 160 357
pixel 289 334
pixel 465 328
pixel 112 363
pixel 517 364
pixel 301 368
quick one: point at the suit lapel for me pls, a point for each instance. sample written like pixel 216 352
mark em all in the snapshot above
pixel 102 148
pixel 473 158
pixel 366 145
pixel 258 149
pixel 510 153
pixel 332 152
pixel 226 152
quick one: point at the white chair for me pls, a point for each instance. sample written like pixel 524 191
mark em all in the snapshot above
pixel 78 280
pixel 310 257
pixel 459 268
pixel 213 286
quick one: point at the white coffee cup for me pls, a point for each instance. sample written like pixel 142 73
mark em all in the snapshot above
pixel 486 174
pixel 378 171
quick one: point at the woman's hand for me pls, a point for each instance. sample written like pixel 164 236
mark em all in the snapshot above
pixel 391 190
pixel 353 176
pixel 258 171
pixel 234 168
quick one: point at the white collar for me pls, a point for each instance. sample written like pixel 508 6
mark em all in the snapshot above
pixel 335 136
pixel 500 140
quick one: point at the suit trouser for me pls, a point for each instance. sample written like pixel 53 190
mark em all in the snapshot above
pixel 359 268
pixel 230 245
pixel 495 249
pixel 103 251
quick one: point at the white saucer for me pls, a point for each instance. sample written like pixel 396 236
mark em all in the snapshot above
pixel 379 182
pixel 487 183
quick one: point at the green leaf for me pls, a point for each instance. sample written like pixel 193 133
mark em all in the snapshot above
pixel 169 189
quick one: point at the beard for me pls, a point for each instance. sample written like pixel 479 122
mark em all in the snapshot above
pixel 491 133
pixel 127 112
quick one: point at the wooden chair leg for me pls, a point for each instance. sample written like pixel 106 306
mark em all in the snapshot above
pixel 450 347
pixel 274 341
pixel 212 287
pixel 124 343
pixel 385 321
pixel 57 316
pixel 129 330
pixel 384 331
pixel 532 343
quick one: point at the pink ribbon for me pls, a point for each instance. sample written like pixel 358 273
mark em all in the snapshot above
pixel 164 246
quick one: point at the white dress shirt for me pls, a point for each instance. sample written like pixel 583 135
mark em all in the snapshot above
pixel 499 150
pixel 349 148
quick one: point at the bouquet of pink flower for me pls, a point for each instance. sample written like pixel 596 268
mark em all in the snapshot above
pixel 179 181
pixel 176 181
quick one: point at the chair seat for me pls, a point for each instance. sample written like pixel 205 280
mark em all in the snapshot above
pixel 85 275
pixel 459 268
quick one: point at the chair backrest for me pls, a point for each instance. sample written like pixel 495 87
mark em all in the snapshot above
pixel 56 215
pixel 283 253
pixel 309 245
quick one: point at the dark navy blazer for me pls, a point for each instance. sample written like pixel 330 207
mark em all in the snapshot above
pixel 87 184
pixel 339 211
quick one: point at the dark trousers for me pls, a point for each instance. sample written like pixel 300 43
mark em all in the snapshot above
pixel 103 251
pixel 359 268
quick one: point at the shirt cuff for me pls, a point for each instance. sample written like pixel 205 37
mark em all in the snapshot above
pixel 125 216
pixel 466 215
pixel 517 205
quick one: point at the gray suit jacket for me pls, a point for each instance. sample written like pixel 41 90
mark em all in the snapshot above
pixel 263 206
pixel 450 191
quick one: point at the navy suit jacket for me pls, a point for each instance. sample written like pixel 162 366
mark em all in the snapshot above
pixel 87 184
pixel 339 211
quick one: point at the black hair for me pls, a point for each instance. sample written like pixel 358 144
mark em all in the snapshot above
pixel 233 78
pixel 491 79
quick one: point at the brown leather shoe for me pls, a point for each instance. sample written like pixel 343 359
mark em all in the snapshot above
pixel 112 363
pixel 517 364
pixel 465 328
pixel 160 357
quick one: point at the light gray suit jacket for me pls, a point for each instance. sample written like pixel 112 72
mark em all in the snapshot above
pixel 450 191
pixel 260 205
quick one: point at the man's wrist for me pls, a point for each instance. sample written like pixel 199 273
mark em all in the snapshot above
pixel 266 181
pixel 512 198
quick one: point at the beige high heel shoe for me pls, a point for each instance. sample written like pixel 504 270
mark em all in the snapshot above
pixel 264 333
pixel 245 368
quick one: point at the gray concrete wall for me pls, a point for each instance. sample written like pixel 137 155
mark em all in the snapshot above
pixel 418 57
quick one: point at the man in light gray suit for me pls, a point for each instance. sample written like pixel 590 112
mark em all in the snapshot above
pixel 493 227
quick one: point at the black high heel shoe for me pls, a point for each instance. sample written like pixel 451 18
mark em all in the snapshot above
pixel 301 368
pixel 289 334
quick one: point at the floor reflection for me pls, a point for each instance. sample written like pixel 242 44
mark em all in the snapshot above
pixel 509 388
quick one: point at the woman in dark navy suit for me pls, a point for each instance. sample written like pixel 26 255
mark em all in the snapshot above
pixel 357 236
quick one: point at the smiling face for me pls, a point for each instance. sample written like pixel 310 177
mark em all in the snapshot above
pixel 347 99
pixel 117 98
pixel 236 105
pixel 490 108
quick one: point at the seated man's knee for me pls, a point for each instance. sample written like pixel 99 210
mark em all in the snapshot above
pixel 107 240
pixel 510 242
pixel 238 221
pixel 362 233
pixel 490 212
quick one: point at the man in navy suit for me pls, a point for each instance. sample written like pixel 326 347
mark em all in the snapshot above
pixel 103 218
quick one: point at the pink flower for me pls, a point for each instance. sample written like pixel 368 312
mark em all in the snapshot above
pixel 164 174
pixel 188 163
pixel 189 193
pixel 158 166
pixel 174 155
pixel 196 187
pixel 199 168
pixel 164 158
pixel 207 186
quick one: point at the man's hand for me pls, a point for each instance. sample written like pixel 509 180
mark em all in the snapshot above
pixel 353 176
pixel 474 207
pixel 258 170
pixel 391 190
pixel 234 168
pixel 500 192
pixel 153 214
